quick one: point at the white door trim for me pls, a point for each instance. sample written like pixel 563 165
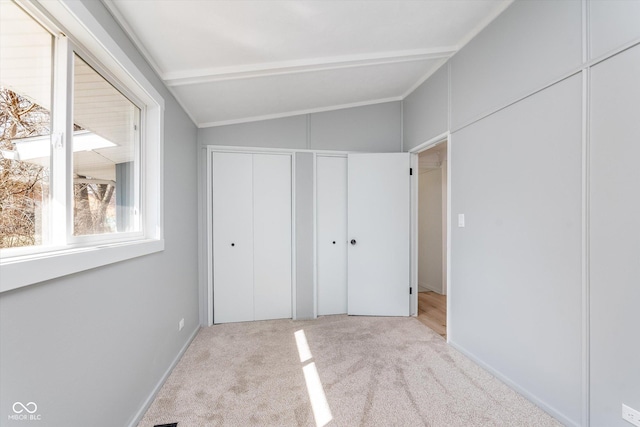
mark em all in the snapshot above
pixel 444 137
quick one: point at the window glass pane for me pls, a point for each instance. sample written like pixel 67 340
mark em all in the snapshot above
pixel 105 147
pixel 25 127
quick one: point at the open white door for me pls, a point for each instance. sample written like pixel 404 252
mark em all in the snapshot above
pixel 379 234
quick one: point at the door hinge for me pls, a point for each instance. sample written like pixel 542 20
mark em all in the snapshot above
pixel 410 291
pixel 410 171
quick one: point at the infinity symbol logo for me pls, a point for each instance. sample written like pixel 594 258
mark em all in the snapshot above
pixel 22 407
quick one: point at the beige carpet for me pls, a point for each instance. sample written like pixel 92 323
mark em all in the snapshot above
pixel 374 372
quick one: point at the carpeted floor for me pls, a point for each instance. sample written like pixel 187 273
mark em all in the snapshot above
pixel 374 372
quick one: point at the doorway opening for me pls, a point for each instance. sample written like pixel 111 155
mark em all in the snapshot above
pixel 432 237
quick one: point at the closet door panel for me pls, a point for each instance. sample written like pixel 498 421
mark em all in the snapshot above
pixel 331 175
pixel 232 238
pixel 272 236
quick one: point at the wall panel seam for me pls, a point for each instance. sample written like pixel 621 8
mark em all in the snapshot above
pixel 588 64
pixel 402 126
pixel 586 285
pixel 518 99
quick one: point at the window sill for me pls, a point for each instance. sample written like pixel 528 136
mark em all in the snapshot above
pixel 17 272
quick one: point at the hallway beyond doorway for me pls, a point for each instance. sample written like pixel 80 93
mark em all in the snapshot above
pixel 432 311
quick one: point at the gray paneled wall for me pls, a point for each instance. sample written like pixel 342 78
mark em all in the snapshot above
pixel 527 46
pixel 613 23
pixel 425 112
pixel 521 304
pixel 516 266
pixel 615 237
pixel 371 128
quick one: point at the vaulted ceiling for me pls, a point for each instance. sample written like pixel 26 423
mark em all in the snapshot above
pixel 235 61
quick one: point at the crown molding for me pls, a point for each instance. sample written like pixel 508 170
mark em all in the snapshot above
pixel 120 19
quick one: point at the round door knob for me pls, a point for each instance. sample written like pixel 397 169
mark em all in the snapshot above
pixel 353 241
pixel 233 244
pixel 334 242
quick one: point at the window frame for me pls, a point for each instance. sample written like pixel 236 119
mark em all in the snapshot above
pixel 76 30
pixel 72 239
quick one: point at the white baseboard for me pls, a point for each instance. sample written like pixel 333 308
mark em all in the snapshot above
pixel 138 417
pixel 515 386
pixel 425 287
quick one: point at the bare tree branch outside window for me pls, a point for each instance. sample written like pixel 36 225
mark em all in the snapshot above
pixel 23 185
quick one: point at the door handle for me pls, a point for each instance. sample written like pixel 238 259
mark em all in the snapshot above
pixel 353 242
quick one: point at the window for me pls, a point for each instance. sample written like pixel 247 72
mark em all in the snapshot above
pixel 80 147
pixel 105 167
pixel 25 115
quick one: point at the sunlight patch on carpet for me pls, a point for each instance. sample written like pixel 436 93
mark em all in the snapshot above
pixel 319 405
pixel 303 346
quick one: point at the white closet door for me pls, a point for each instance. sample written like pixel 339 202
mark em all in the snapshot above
pixel 379 234
pixel 232 238
pixel 272 236
pixel 331 178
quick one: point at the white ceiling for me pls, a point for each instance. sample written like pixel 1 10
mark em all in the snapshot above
pixel 234 61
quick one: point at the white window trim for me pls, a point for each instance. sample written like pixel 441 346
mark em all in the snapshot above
pixel 50 263
pixel 68 51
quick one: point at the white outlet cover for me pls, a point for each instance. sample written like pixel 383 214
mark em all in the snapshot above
pixel 631 415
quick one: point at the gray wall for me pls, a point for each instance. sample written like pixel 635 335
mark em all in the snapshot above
pixel 516 266
pixel 289 132
pixel 528 45
pixel 304 176
pixel 529 300
pixel 615 236
pixel 425 112
pixel 90 348
pixel 613 23
pixel 373 128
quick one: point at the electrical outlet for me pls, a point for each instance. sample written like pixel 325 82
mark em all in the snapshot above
pixel 631 415
pixel 181 324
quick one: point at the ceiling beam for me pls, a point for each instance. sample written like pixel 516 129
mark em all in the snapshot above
pixel 181 78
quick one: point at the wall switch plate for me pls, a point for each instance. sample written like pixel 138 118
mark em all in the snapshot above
pixel 631 415
pixel 181 324
pixel 460 220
